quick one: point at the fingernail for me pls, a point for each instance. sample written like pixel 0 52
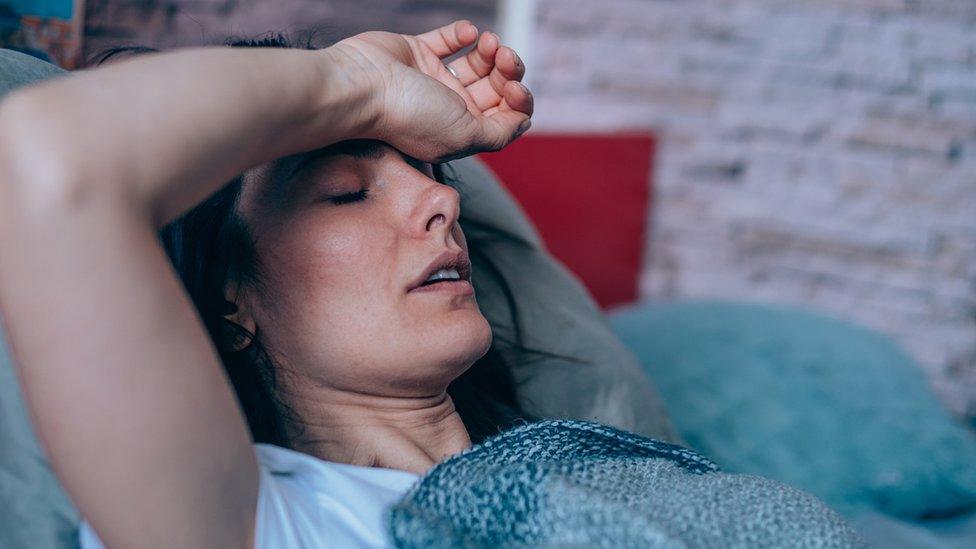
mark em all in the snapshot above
pixel 526 90
pixel 524 126
pixel 518 61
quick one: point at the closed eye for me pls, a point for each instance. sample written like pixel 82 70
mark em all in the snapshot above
pixel 357 196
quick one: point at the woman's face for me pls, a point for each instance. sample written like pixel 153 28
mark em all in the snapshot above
pixel 342 236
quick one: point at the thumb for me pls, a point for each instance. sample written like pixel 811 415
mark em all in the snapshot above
pixel 501 128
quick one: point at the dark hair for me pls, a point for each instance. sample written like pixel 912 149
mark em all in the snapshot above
pixel 211 246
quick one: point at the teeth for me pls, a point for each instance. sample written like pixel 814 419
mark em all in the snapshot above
pixel 444 274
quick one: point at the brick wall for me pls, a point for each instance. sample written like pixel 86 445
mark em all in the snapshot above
pixel 162 23
pixel 812 153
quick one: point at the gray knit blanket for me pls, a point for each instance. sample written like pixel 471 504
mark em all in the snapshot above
pixel 565 483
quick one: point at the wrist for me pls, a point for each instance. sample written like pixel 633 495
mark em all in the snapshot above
pixel 349 93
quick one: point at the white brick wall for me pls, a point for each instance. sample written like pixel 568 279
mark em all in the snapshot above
pixel 818 153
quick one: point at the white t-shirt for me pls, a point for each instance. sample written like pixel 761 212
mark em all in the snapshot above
pixel 304 502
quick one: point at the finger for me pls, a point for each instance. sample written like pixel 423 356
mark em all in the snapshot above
pixel 488 92
pixel 501 128
pixel 446 78
pixel 516 97
pixel 450 39
pixel 509 64
pixel 479 61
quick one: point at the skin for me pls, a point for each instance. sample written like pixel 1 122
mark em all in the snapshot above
pixel 363 362
pixel 125 388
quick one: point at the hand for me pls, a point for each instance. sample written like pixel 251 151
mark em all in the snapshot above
pixel 422 109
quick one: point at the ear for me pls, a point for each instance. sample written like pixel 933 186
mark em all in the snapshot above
pixel 236 309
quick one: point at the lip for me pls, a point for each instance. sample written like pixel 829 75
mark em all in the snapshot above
pixel 446 260
pixel 454 287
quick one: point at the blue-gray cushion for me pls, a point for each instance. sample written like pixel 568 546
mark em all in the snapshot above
pixel 834 409
pixel 19 69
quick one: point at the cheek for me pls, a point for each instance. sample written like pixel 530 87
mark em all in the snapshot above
pixel 336 248
pixel 325 295
pixel 342 274
pixel 310 269
pixel 336 308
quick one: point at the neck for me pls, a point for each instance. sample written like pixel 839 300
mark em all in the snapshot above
pixel 405 433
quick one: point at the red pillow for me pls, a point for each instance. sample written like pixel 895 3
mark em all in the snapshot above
pixel 588 195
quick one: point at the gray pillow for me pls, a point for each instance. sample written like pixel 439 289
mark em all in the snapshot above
pixel 18 69
pixel 603 382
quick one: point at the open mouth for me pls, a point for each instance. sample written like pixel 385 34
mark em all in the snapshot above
pixel 442 276
pixel 447 270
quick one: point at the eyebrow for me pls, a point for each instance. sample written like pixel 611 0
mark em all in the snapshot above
pixel 367 149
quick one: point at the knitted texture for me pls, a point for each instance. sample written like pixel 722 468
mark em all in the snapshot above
pixel 567 483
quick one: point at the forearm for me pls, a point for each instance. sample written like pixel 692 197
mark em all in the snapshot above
pixel 111 352
pixel 168 129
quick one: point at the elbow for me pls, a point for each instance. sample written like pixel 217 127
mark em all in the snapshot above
pixel 37 171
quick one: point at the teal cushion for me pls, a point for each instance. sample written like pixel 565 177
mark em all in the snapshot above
pixel 828 407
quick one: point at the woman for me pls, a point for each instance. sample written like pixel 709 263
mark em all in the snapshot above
pixel 332 282
pixel 364 347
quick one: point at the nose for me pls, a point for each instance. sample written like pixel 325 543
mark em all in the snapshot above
pixel 439 209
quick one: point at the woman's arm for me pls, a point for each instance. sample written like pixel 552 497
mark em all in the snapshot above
pixel 125 388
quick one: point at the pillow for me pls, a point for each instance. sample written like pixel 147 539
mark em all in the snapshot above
pixel 602 383
pixel 18 69
pixel 826 406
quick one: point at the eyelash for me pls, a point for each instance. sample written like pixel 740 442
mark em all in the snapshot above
pixel 357 196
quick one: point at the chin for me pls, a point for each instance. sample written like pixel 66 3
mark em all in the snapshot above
pixel 462 338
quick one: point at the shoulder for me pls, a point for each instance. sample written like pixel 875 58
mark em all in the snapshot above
pixel 302 499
